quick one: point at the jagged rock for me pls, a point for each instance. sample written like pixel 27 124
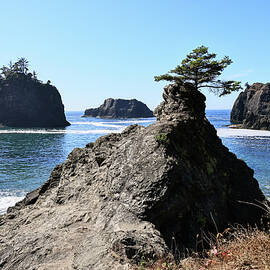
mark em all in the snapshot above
pixel 120 108
pixel 132 196
pixel 252 107
pixel 29 103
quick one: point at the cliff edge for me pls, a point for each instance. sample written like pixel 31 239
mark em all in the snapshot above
pixel 25 102
pixel 129 197
pixel 252 107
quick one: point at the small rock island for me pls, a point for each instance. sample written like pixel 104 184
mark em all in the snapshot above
pixel 120 108
pixel 27 102
pixel 252 107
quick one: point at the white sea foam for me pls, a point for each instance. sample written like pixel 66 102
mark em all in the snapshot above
pixel 105 124
pixel 132 121
pixel 235 132
pixel 117 126
pixel 114 122
pixel 94 131
pixel 82 123
pixel 217 118
pixel 8 201
pixel 62 131
pixel 32 131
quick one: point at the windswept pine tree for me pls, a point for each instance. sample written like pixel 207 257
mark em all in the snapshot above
pixel 202 70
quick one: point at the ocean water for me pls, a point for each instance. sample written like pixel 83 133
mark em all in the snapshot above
pixel 28 156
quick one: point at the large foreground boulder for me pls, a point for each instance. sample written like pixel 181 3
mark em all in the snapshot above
pixel 252 107
pixel 29 103
pixel 132 196
pixel 120 108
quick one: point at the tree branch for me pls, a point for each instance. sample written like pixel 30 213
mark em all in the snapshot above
pixel 211 86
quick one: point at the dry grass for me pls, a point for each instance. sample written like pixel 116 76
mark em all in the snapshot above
pixel 241 249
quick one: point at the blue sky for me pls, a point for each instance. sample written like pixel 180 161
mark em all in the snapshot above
pixel 92 50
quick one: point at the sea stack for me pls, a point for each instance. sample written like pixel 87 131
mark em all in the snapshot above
pixel 127 197
pixel 120 108
pixel 25 102
pixel 252 107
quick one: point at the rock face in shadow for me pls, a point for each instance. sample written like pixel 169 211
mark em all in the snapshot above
pixel 120 108
pixel 132 196
pixel 252 107
pixel 29 103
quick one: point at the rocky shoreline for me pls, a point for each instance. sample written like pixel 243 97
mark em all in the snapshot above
pixel 127 196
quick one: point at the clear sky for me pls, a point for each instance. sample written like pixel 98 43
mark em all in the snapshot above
pixel 95 49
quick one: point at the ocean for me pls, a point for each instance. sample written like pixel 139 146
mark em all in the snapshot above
pixel 28 156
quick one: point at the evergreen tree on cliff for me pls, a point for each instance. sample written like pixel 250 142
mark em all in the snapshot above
pixel 202 69
pixel 21 67
pixel 25 101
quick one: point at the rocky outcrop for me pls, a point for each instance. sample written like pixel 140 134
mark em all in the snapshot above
pixel 120 108
pixel 252 107
pixel 30 103
pixel 143 194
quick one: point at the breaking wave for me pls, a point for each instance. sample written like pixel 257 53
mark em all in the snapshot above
pixel 56 131
pixel 8 199
pixel 116 122
pixel 233 132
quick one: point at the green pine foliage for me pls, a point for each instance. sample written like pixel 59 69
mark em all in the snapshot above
pixel 18 70
pixel 202 70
